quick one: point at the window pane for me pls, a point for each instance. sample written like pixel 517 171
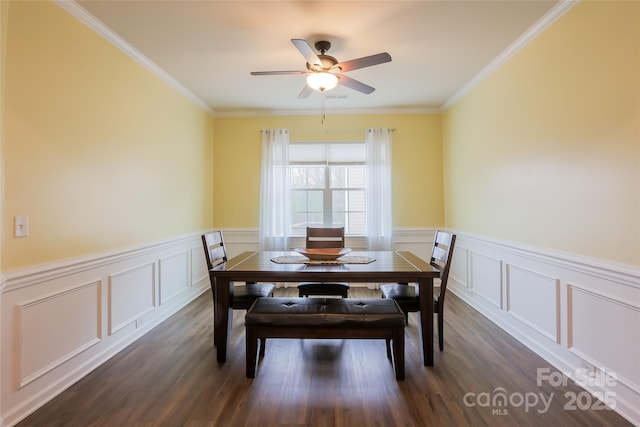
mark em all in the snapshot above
pixel 348 210
pixel 307 176
pixel 356 200
pixel 338 201
pixel 297 177
pixel 356 223
pixel 348 176
pixel 298 201
pixel 306 209
pixel 338 176
pixel 357 176
pixel 338 220
pixel 299 223
pixel 315 177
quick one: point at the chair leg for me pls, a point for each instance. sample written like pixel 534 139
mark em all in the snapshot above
pixel 388 340
pixel 441 329
pixel 398 352
pixel 251 350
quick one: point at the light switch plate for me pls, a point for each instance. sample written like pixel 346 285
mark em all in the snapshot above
pixel 21 226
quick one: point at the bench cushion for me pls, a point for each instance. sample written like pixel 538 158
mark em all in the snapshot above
pixel 325 312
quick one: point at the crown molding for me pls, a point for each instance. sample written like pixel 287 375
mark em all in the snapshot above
pixel 536 29
pixel 336 112
pixel 96 25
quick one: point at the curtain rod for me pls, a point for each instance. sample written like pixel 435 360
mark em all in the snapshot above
pixel 327 130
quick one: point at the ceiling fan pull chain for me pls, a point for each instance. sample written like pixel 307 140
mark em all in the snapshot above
pixel 324 97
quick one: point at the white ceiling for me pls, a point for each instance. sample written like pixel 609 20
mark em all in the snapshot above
pixel 208 48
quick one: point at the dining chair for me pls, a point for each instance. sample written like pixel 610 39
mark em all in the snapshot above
pixel 407 295
pixel 324 238
pixel 241 297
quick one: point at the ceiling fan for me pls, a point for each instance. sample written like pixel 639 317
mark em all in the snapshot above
pixel 324 71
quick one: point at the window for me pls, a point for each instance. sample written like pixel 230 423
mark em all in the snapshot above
pixel 327 183
pixel 330 183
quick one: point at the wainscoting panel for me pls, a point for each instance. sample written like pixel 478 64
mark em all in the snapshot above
pixel 600 327
pixel 174 276
pixel 131 295
pixel 62 320
pixel 486 278
pixel 534 299
pixel 199 272
pixel 56 327
pixel 459 272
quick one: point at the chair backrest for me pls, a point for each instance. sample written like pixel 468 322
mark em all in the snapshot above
pixel 214 250
pixel 441 256
pixel 325 237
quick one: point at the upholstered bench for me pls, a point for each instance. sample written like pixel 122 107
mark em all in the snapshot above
pixel 326 318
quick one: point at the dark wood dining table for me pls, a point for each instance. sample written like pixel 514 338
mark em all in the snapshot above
pixel 387 266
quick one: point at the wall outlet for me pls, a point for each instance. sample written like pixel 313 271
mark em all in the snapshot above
pixel 20 226
pixel 140 322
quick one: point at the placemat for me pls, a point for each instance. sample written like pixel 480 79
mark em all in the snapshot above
pixel 347 259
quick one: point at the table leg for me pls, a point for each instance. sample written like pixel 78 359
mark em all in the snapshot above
pixel 222 319
pixel 426 319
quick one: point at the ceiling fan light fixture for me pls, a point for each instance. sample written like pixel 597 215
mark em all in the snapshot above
pixel 322 81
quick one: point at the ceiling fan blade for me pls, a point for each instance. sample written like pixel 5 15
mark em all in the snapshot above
pixel 276 73
pixel 307 52
pixel 355 84
pixel 365 61
pixel 306 91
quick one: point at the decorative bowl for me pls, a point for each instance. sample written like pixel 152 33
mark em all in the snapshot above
pixel 328 254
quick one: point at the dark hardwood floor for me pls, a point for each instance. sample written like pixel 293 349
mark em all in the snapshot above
pixel 170 377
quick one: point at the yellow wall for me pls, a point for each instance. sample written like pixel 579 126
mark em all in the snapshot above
pixel 546 151
pixel 97 151
pixel 101 154
pixel 416 154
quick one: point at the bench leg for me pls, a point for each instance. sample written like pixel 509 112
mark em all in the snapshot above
pixel 251 351
pixel 398 352
pixel 263 345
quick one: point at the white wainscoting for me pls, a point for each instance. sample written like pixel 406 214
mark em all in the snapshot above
pixel 581 315
pixel 62 320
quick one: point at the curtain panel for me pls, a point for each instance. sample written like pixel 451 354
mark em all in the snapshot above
pixel 379 218
pixel 274 190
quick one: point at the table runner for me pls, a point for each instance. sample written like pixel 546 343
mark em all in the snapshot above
pixel 298 259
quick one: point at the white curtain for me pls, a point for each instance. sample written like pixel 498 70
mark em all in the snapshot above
pixel 274 190
pixel 379 220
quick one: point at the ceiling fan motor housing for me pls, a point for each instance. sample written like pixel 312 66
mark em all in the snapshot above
pixel 327 63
